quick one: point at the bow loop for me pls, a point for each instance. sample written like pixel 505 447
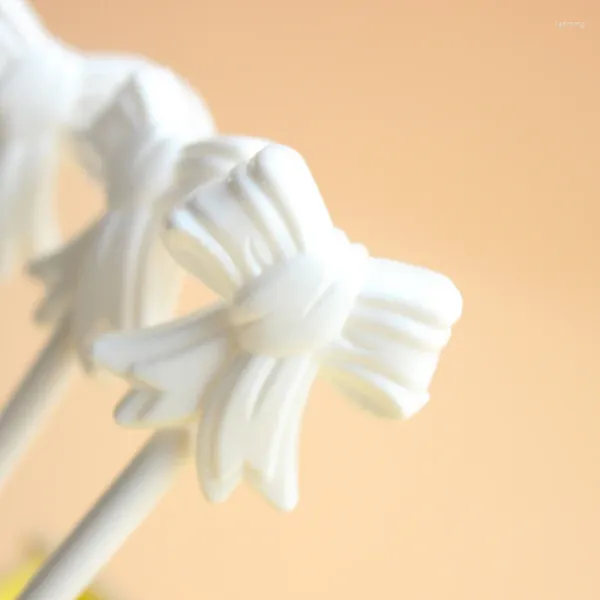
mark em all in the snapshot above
pixel 212 159
pixel 389 349
pixel 49 67
pixel 21 31
pixel 137 137
pixel 267 211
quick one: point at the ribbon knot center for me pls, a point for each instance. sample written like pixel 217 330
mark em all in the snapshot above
pixel 300 305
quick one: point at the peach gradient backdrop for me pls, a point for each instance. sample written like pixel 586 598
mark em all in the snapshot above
pixel 466 140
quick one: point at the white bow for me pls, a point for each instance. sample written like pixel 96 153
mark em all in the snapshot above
pixel 50 96
pixel 298 299
pixel 116 274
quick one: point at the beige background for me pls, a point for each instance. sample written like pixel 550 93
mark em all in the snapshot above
pixel 464 139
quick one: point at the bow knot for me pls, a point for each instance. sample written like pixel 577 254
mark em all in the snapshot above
pixel 301 305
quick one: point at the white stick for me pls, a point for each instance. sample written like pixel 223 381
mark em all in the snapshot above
pixel 127 502
pixel 38 393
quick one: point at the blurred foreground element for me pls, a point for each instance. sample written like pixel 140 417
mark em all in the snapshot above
pixel 13 582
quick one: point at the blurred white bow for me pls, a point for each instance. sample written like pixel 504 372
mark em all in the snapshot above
pixel 39 85
pixel 117 274
pixel 298 299
pixel 50 96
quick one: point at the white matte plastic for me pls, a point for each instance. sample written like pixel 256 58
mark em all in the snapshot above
pixel 117 274
pixel 50 95
pixel 298 299
pixel 117 513
pixel 33 400
pixel 39 84
pixel 107 277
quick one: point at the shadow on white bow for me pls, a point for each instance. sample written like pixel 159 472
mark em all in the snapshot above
pixel 298 300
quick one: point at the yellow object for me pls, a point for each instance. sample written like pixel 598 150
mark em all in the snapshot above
pixel 13 583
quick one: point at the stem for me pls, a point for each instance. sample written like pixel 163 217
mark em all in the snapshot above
pixel 38 393
pixel 114 517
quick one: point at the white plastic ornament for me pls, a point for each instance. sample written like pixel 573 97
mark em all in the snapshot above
pixel 299 299
pixel 39 85
pixel 50 94
pixel 104 279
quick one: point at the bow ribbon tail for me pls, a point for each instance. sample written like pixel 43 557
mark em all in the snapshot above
pixel 171 367
pixel 59 273
pixel 250 428
pixel 110 279
pixel 100 294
